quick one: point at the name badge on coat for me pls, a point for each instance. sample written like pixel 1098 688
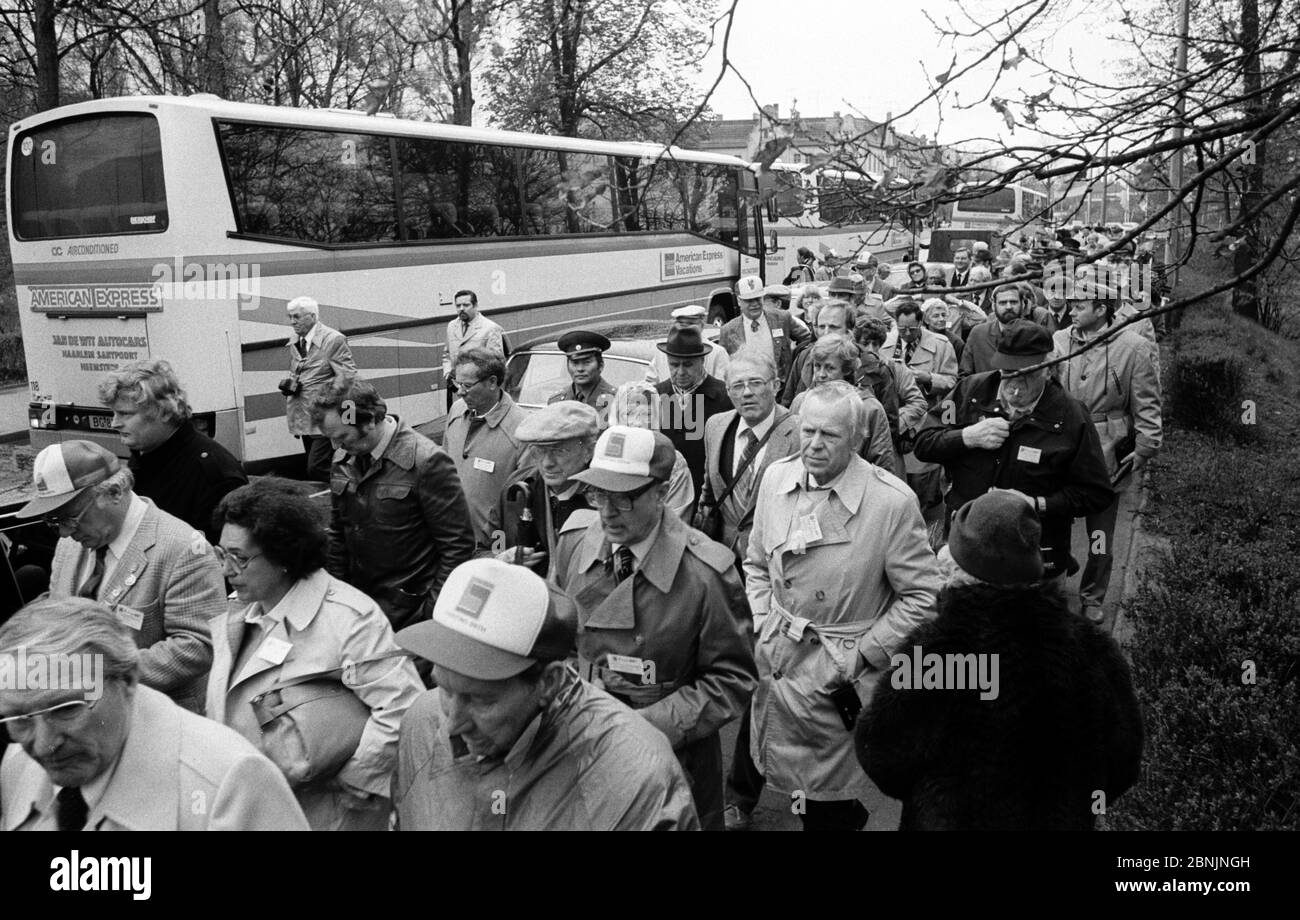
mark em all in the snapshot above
pixel 1030 454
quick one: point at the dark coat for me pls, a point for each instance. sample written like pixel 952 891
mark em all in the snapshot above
pixel 1054 452
pixel 686 429
pixel 186 476
pixel 398 531
pixel 1064 725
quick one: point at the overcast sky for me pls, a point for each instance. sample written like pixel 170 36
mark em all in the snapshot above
pixel 867 54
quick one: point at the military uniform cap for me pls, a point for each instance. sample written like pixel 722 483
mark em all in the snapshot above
pixel 559 421
pixel 582 342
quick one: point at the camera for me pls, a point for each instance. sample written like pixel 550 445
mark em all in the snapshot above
pixel 290 386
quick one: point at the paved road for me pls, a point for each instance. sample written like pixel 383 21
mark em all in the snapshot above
pixel 773 812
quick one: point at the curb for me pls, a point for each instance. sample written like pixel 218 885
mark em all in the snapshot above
pixel 1144 548
pixel 13 437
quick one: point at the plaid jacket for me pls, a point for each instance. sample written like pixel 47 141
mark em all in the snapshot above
pixel 170 577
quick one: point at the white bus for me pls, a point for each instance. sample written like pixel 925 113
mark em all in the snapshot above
pixel 180 227
pixel 828 210
pixel 1015 211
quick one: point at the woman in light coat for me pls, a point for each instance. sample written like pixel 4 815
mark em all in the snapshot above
pixel 290 618
pixel 637 405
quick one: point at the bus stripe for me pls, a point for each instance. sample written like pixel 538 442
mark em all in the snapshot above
pixel 369 258
pixel 271 405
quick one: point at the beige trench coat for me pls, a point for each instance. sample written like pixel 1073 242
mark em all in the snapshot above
pixel 869 580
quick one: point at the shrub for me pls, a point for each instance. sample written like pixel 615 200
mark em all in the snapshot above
pixel 1207 382
pixel 13 366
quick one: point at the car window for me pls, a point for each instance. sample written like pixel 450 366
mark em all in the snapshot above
pixel 534 377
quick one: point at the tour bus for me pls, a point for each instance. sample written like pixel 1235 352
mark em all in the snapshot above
pixel 180 227
pixel 1015 211
pixel 827 210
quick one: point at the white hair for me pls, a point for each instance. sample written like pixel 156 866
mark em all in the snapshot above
pixel 306 304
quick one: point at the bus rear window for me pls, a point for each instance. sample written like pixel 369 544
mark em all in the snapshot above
pixel 95 176
pixel 1000 201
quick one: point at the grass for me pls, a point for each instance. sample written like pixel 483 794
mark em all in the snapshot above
pixel 1216 630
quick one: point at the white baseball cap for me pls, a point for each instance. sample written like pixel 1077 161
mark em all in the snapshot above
pixel 63 471
pixel 493 620
pixel 627 459
pixel 690 310
pixel 749 287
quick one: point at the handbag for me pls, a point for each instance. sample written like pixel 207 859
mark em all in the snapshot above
pixel 708 519
pixel 312 724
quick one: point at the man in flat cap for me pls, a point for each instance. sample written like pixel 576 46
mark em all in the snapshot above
pixel 585 352
pixel 512 738
pixel 540 496
pixel 156 573
pixel 775 297
pixel 715 362
pixel 689 397
pixel 662 622
pixel 1016 429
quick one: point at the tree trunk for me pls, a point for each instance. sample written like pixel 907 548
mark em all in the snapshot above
pixel 1245 297
pixel 47 55
pixel 213 79
pixel 462 39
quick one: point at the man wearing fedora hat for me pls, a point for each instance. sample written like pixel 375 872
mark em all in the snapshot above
pixel 660 607
pixel 1018 429
pixel 715 362
pixel 512 738
pixel 689 397
pixel 759 325
pixel 585 354
pixel 157 573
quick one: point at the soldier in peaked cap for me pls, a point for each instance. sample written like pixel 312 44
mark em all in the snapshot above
pixel 662 622
pixel 585 352
pixel 542 493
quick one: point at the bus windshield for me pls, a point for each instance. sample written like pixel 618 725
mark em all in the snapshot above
pixel 94 176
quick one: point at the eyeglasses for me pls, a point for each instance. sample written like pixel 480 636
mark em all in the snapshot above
pixel 753 386
pixel 466 387
pixel 58 522
pixel 60 717
pixel 239 563
pixel 619 501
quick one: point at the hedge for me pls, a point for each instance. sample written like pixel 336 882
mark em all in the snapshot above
pixel 1215 646
pixel 13 366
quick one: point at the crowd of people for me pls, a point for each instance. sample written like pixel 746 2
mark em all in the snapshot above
pixel 547 620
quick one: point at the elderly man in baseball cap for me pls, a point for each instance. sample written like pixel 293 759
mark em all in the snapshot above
pixel 511 738
pixel 660 607
pixel 1016 428
pixel 157 573
pixel 763 327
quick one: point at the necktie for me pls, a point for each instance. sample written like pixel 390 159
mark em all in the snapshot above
pixel 301 345
pixel 747 477
pixel 622 562
pixel 753 325
pixel 363 463
pixel 908 352
pixel 70 809
pixel 90 587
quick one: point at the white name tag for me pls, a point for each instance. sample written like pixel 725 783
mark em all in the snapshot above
pixel 625 664
pixel 129 616
pixel 812 531
pixel 274 650
pixel 1029 454
pixel 487 466
pixel 778 333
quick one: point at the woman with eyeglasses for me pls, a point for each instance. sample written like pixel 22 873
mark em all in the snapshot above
pixel 290 619
pixel 637 405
